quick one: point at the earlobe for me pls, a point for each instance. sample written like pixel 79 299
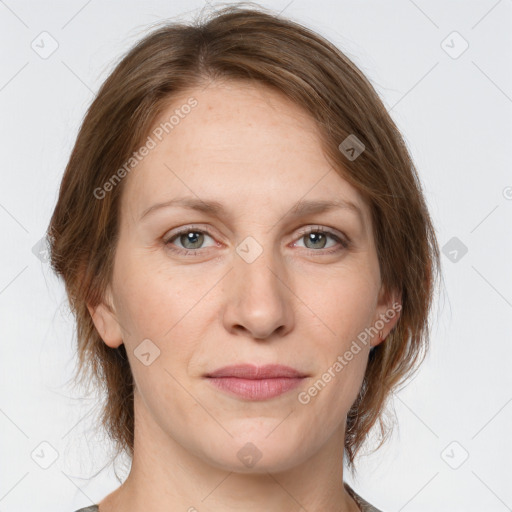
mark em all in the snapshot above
pixel 389 309
pixel 105 321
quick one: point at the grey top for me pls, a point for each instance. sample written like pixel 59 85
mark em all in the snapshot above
pixel 363 504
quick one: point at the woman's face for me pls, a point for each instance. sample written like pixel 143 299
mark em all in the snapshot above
pixel 244 283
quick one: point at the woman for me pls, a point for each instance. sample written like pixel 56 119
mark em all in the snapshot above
pixel 251 262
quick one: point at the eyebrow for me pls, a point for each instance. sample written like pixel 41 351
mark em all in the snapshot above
pixel 300 209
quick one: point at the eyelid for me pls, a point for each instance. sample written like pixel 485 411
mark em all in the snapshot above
pixel 206 228
pixel 324 229
pixel 186 229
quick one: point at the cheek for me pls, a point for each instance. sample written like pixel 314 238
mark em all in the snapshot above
pixel 152 299
pixel 343 308
pixel 344 305
pixel 160 320
pixel 162 309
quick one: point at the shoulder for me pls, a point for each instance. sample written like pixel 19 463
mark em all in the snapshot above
pixel 92 508
pixel 363 504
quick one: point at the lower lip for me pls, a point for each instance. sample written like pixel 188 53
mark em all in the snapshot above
pixel 255 389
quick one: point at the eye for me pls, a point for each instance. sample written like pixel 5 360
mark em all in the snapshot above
pixel 316 239
pixel 189 238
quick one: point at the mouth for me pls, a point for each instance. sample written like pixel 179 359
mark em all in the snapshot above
pixel 252 382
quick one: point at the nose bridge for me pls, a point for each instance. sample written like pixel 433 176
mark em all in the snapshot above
pixel 259 264
pixel 260 301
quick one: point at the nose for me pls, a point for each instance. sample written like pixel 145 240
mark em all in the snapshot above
pixel 259 302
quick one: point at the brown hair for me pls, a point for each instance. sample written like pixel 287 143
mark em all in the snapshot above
pixel 251 44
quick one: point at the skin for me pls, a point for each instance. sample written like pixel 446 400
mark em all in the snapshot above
pixel 257 153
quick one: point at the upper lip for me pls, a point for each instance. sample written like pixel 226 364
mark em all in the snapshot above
pixel 250 371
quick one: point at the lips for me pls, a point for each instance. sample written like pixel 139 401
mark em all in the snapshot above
pixel 250 382
pixel 249 371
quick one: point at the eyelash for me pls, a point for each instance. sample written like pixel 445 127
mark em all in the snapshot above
pixel 343 242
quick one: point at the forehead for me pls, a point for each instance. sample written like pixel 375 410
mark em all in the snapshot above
pixel 244 144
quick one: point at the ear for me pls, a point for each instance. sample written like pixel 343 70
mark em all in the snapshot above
pixel 106 323
pixel 387 314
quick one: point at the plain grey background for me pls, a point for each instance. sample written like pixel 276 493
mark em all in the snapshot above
pixel 443 70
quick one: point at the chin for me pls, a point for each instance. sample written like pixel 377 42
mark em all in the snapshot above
pixel 257 454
